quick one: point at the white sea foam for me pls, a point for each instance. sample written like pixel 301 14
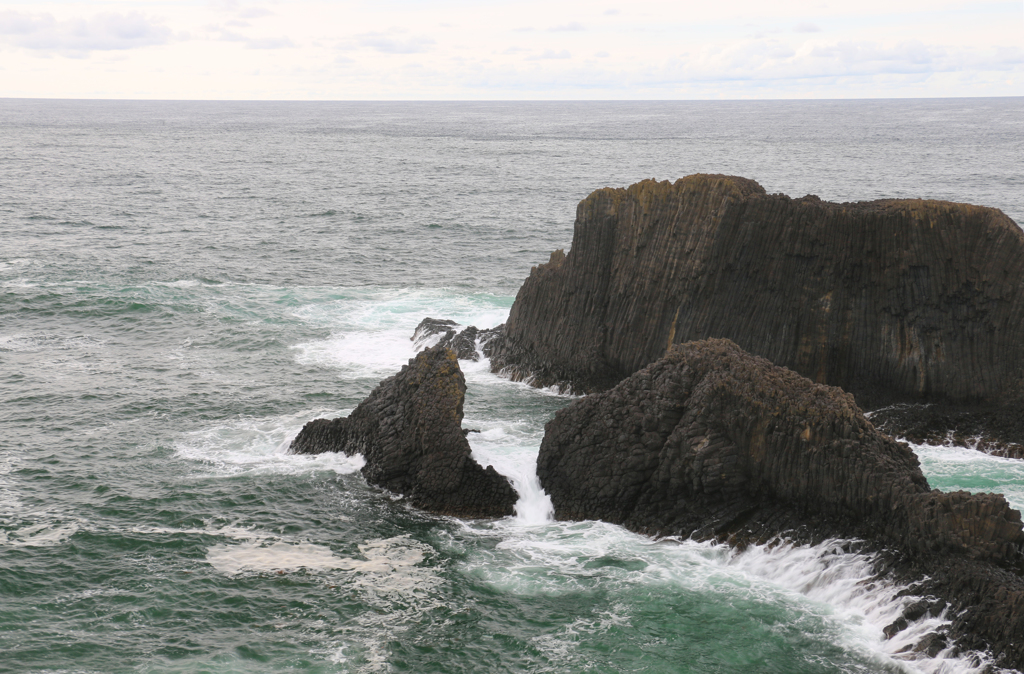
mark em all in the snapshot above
pixel 183 283
pixel 952 468
pixel 833 591
pixel 387 565
pixel 399 592
pixel 49 532
pixel 260 446
pixel 372 330
pixel 232 559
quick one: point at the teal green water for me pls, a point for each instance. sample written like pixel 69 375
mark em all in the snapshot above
pixel 183 285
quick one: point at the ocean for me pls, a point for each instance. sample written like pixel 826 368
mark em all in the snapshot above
pixel 184 284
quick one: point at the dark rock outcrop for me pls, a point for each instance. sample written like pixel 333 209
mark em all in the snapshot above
pixel 999 432
pixel 892 300
pixel 715 443
pixel 410 432
pixel 463 343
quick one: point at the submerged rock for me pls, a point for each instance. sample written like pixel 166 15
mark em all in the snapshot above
pixel 713 442
pixel 893 300
pixel 410 432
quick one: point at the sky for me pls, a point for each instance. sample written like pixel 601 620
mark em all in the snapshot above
pixel 509 50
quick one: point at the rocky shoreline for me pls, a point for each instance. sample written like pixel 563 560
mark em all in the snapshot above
pixel 728 340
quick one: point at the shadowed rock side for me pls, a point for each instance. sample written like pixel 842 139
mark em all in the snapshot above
pixel 893 300
pixel 410 432
pixel 712 442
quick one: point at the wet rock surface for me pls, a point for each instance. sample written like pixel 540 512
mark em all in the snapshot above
pixel 894 300
pixel 715 443
pixel 410 432
pixel 464 343
pixel 999 432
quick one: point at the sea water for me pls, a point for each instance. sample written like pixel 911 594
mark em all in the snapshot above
pixel 184 285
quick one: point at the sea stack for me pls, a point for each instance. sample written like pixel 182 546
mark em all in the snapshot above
pixel 715 443
pixel 410 432
pixel 895 301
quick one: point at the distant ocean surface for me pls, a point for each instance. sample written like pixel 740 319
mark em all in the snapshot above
pixel 184 284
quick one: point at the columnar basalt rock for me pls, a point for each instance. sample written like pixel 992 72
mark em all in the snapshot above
pixel 410 432
pixel 893 300
pixel 715 443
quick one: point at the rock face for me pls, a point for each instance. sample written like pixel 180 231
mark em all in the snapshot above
pixel 715 443
pixel 893 300
pixel 410 432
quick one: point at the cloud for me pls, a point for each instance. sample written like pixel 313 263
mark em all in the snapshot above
pixel 601 54
pixel 572 26
pixel 550 54
pixel 281 42
pixel 807 28
pixel 388 44
pixel 255 13
pixel 78 37
pixel 269 43
pixel 611 12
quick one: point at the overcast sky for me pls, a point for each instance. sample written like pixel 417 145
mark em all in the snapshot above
pixel 501 49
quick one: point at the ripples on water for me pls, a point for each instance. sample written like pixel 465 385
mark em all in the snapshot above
pixel 184 285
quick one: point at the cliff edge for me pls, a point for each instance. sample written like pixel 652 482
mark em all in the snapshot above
pixel 895 301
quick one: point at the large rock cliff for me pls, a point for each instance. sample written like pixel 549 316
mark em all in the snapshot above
pixel 893 300
pixel 409 430
pixel 712 442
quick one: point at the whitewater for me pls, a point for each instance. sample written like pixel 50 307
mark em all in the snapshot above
pixel 184 285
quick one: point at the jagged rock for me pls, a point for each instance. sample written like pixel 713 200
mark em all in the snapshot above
pixel 410 432
pixel 713 442
pixel 463 343
pixel 429 327
pixel 893 300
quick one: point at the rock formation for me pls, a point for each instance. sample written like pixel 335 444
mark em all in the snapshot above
pixel 892 300
pixel 713 442
pixel 463 343
pixel 410 432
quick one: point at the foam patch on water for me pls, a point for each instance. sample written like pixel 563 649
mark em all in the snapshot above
pixel 954 468
pixel 47 342
pixel 384 568
pixel 40 535
pixel 279 556
pixel 260 447
pixel 10 500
